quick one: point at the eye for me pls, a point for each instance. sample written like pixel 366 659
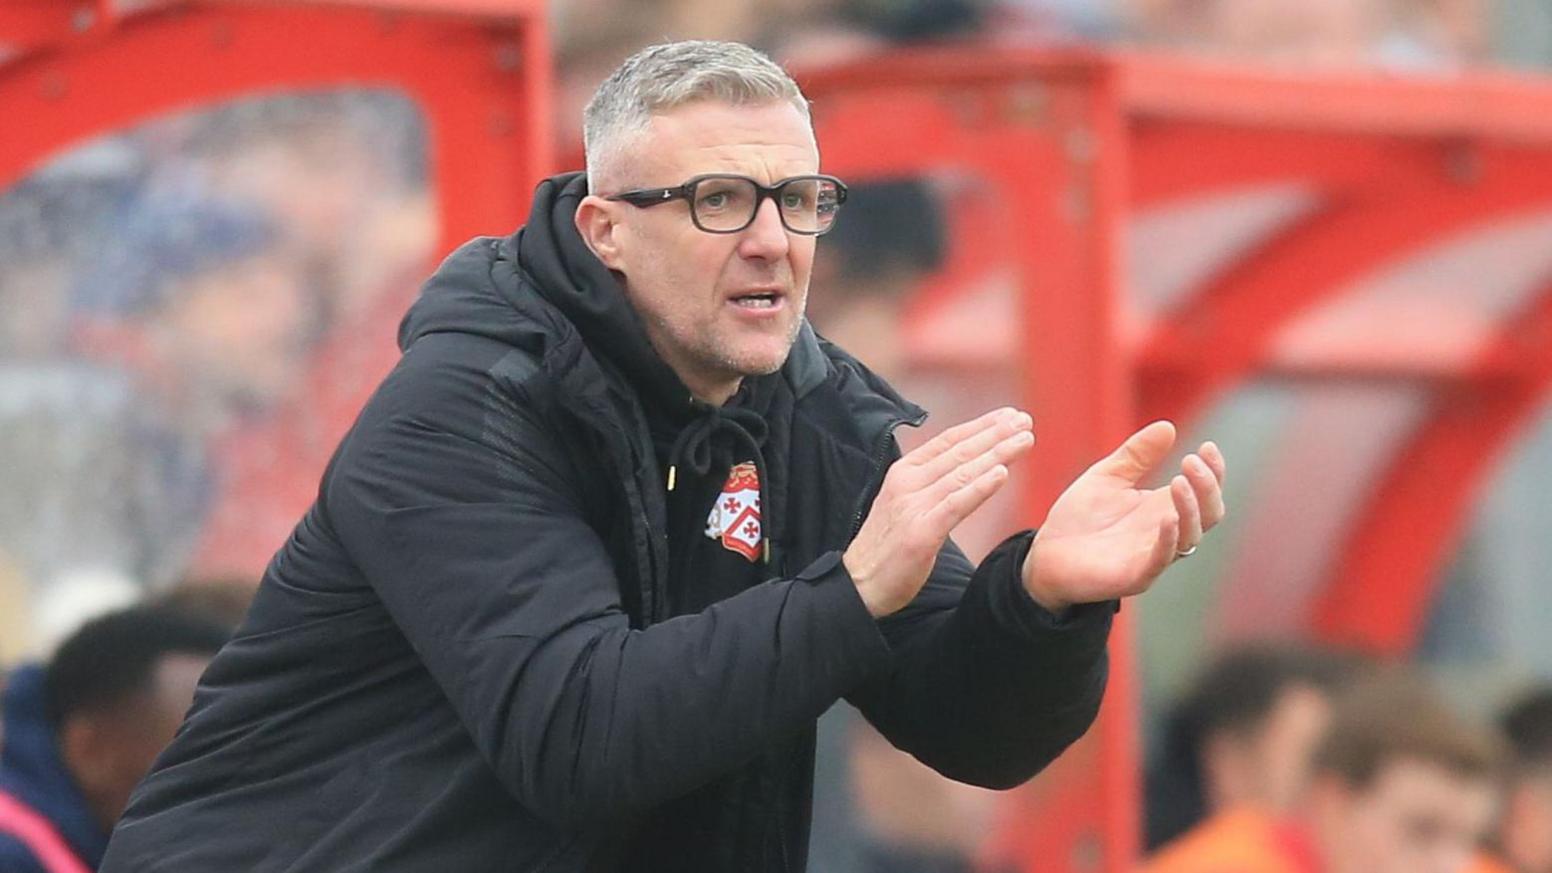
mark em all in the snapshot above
pixel 714 200
pixel 798 197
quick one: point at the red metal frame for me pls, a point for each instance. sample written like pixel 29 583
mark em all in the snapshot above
pixel 1080 142
pixel 1074 143
pixel 1030 139
pixel 479 69
pixel 1417 516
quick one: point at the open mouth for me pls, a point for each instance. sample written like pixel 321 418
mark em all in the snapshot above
pixel 757 300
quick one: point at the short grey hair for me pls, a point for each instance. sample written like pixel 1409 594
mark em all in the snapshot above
pixel 663 77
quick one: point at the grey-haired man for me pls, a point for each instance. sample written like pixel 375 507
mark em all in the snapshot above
pixel 618 529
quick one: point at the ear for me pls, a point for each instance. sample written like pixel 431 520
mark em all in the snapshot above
pixel 86 755
pixel 597 221
pixel 1226 777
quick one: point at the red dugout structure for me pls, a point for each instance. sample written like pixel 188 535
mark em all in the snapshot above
pixel 1138 237
pixel 480 70
pixel 1172 230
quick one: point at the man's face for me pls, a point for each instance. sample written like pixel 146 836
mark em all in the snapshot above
pixel 109 752
pixel 241 331
pixel 1526 829
pixel 1267 767
pixel 1415 817
pixel 692 288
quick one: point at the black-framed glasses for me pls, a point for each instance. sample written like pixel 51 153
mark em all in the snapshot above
pixel 726 203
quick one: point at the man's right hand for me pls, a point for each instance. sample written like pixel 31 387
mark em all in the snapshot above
pixel 924 496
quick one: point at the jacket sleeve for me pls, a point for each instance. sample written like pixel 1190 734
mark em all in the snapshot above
pixel 452 499
pixel 986 686
pixel 15 857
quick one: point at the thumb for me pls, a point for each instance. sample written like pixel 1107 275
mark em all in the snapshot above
pixel 1141 452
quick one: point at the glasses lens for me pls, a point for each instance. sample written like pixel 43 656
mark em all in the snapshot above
pixel 808 205
pixel 724 203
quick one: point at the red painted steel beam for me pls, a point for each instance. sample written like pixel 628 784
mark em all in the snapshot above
pixel 1050 145
pixel 1505 107
pixel 1173 160
pixel 1388 573
pixel 1224 334
pixel 27 23
pixel 483 86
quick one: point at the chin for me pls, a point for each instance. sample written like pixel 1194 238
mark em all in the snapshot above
pixel 762 361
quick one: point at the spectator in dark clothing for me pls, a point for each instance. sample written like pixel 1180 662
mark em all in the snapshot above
pixel 82 731
pixel 619 527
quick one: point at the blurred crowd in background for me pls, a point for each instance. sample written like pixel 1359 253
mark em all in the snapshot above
pixel 1415 36
pixel 192 310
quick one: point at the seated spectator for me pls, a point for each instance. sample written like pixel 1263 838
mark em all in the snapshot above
pixel 1400 784
pixel 221 600
pixel 1243 735
pixel 82 731
pixel 1525 829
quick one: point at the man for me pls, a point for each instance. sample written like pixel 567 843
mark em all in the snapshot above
pixel 1401 784
pixel 618 528
pixel 82 731
pixel 1525 829
pixel 1243 737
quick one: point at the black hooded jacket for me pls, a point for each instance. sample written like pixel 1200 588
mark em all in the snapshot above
pixel 473 654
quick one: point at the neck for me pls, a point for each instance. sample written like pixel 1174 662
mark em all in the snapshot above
pixel 717 394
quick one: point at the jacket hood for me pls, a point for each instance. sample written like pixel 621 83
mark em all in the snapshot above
pixel 32 771
pixel 493 288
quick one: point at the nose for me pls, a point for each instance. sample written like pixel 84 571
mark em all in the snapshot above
pixel 765 238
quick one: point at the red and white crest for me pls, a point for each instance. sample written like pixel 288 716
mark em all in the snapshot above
pixel 735 517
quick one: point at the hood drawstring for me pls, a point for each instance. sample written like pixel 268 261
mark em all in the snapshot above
pixel 692 449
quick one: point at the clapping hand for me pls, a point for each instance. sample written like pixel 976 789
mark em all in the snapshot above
pixel 1106 538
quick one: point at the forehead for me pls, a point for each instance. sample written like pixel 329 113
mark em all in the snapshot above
pixel 767 141
pixel 1413 786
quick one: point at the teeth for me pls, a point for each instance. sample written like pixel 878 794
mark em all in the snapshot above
pixel 757 302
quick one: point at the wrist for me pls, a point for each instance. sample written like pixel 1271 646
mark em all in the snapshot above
pixel 865 590
pixel 1036 587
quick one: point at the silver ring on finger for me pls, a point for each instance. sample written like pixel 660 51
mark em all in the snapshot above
pixel 1186 553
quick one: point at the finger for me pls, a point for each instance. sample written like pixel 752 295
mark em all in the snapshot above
pixel 1005 452
pixel 1165 545
pixel 1141 452
pixel 1213 456
pixel 1209 495
pixel 977 445
pixel 1184 497
pixel 956 507
pixel 955 435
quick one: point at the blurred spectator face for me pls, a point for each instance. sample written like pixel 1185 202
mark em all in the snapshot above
pixel 110 750
pixel 1268 766
pixel 1319 30
pixel 1525 834
pixel 34 299
pixel 1414 816
pixel 239 331
pixel 683 280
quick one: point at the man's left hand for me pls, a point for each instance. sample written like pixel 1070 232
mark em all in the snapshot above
pixel 1105 538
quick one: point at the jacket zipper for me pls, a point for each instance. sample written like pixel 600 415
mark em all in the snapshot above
pixel 876 470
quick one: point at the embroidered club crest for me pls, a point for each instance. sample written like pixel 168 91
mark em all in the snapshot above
pixel 735 517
